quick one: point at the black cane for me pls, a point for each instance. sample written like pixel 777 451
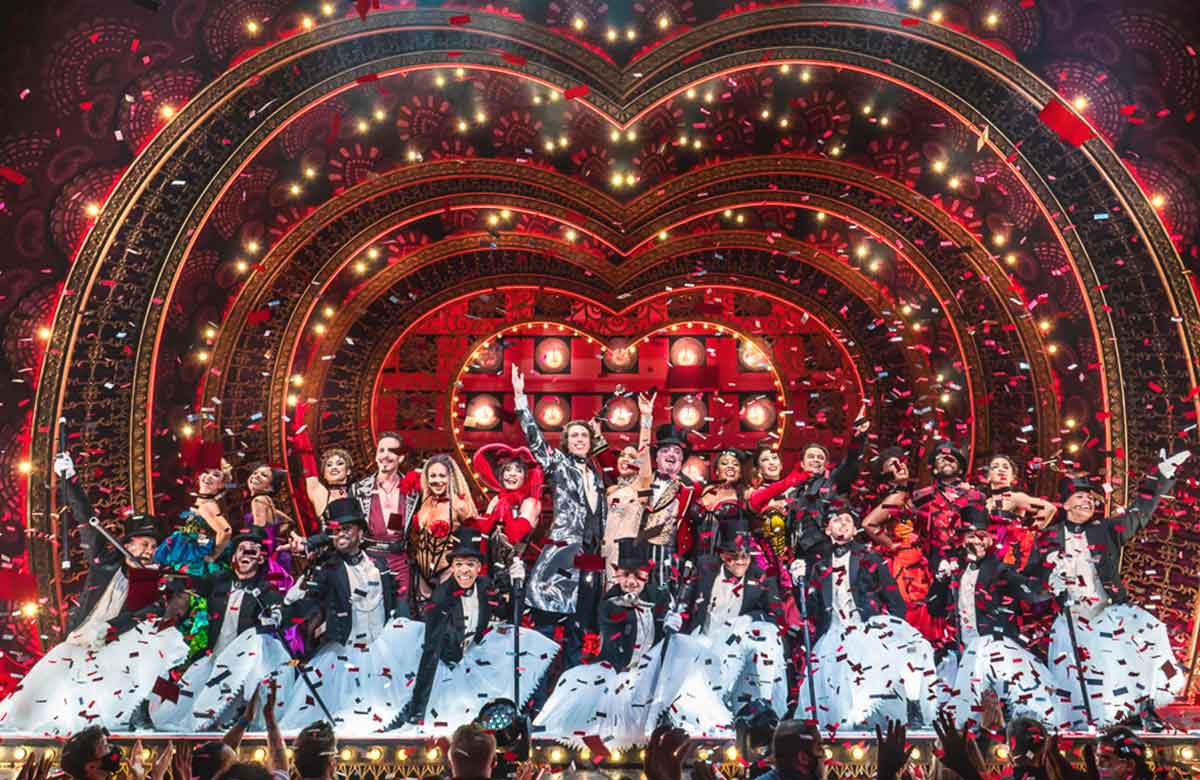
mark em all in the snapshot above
pixel 299 664
pixel 1087 705
pixel 808 665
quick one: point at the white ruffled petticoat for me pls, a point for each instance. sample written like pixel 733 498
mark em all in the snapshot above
pixel 484 674
pixel 214 684
pixel 867 672
pixel 365 685
pixel 1020 681
pixel 75 686
pixel 1129 662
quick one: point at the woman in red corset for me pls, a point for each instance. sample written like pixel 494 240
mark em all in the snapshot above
pixel 446 504
pixel 890 525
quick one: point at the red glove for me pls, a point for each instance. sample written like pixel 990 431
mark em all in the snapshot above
pixel 591 647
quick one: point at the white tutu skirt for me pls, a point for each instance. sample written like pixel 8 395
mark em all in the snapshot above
pixel 214 685
pixel 1129 663
pixel 1018 679
pixel 592 700
pixel 74 686
pixel 365 685
pixel 690 689
pixel 484 674
pixel 867 672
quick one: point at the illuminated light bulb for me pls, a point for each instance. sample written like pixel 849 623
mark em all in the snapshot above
pixel 662 235
pixel 549 146
pixel 945 398
pixel 29 609
pixel 821 216
pixel 611 34
pixel 857 753
pixel 186 430
pixel 1158 201
pixel 92 210
pixel 380 115
pixel 953 182
pixel 828 753
pixel 571 234
pixel 460 73
pixel 836 151
pixel 691 93
pixel 252 27
pixel 697 143
pixel 374 754
pixel 936 17
pixel 563 141
pixel 1080 102
pixel 413 155
pixel 630 34
pixel 310 172
pixel 1011 258
pixel 328 312
pixel 915 5
pixel 883 120
pixel 939 166
pixel 347 754
pixel 585 754
pixel 166 111
pixel 433 754
pixel 402 754
pixel 708 97
pixel 44 333
pixel 556 755
pixel 873 267
pixel 1000 239
pixel 493 220
pixel 210 333
pixel 1045 325
pixel 765 113
pixel 463 126
pixel 731 753
pixel 1073 447
pixel 202 356
pixel 505 214
pixel 259 754
pixel 1187 752
pixel 373 253
pixel 579 23
pixel 664 22
pixel 1002 752
pixel 907 310
pixel 439 80
pixel 614 135
pixel 992 19
pixel 785 68
pixel 480 117
pixel 1070 423
pixel 631 135
pixel 297 380
pixel 319 329
pixel 805 75
pixel 916 326
pixel 241 266
pixel 915 754
pixel 1052 348
pixel 360 268
pixel 362 126
pixel 683 140
pixel 860 251
pixel 295 189
pixel 327 9
pixel 630 180
pixel 307 22
pixel 867 109
pixel 728 213
pixel 740 218
pixel 617 179
pixel 784 123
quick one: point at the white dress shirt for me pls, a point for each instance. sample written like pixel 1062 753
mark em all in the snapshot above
pixel 844 608
pixel 107 607
pixel 366 599
pixel 968 625
pixel 1079 570
pixel 229 626
pixel 726 601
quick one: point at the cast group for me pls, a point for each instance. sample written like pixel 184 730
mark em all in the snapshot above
pixel 839 592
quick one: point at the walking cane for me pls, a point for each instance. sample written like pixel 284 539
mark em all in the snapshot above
pixel 808 670
pixel 1087 705
pixel 662 653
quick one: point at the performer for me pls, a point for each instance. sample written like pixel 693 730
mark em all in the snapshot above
pixel 810 490
pixel 244 620
pixel 628 498
pixel 869 665
pixel 773 528
pixel 608 695
pixel 731 610
pixel 1015 517
pixel 890 526
pixel 333 483
pixel 446 504
pixel 389 503
pixel 262 484
pixel 464 661
pixel 723 500
pixel 197 545
pixel 1126 653
pixel 104 684
pixel 984 598
pixel 516 509
pixel 368 643
pixel 671 494
pixel 949 505
pixel 556 583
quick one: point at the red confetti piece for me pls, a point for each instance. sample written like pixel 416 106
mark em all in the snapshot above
pixel 515 59
pixel 1067 125
pixel 460 19
pixel 85 105
pixel 367 78
pixel 577 92
pixel 16 177
pixel 1154 386
pixel 908 21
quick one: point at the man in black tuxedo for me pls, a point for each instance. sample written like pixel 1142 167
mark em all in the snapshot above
pixel 464 662
pixel 244 612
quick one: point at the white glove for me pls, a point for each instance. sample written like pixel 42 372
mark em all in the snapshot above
pixel 1168 466
pixel 64 467
pixel 946 569
pixel 798 570
pixel 673 622
pixel 516 570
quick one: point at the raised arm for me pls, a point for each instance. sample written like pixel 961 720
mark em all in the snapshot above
pixel 645 471
pixel 318 494
pixel 847 471
pixel 71 495
pixel 760 497
pixel 210 510
pixel 1138 515
pixel 545 455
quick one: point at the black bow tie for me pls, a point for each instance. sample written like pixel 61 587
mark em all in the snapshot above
pixel 468 593
pixel 841 549
pixel 353 559
pixel 1076 528
pixel 972 565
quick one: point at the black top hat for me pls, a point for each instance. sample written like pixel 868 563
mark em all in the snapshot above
pixel 1068 486
pixel 468 543
pixel 669 434
pixel 945 446
pixel 251 534
pixel 734 535
pixel 142 525
pixel 632 554
pixel 345 511
pixel 975 516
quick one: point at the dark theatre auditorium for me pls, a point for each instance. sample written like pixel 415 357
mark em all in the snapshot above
pixel 620 389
